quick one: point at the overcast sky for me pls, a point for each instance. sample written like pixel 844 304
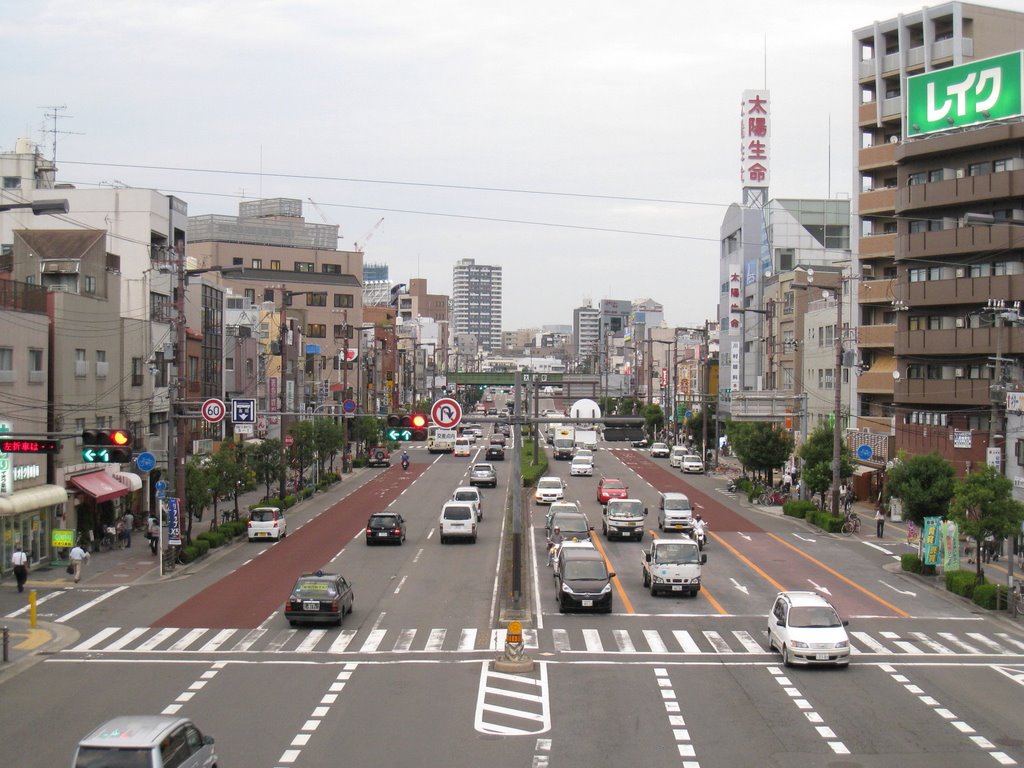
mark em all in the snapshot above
pixel 590 147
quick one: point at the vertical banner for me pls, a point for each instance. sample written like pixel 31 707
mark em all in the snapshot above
pixel 950 546
pixel 173 522
pixel 755 139
pixel 6 465
pixel 931 540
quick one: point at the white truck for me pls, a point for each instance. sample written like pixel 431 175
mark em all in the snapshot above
pixel 623 518
pixel 673 565
pixel 586 438
pixel 564 442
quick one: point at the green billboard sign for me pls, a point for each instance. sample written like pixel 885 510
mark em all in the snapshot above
pixel 978 92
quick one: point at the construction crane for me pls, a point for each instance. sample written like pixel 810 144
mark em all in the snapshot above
pixel 321 212
pixel 366 238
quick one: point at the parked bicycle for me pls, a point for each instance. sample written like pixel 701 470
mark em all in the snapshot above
pixel 851 524
pixel 772 498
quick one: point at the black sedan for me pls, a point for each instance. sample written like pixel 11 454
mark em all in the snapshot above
pixel 385 527
pixel 495 453
pixel 319 598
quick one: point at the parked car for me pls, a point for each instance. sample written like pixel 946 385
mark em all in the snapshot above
pixel 483 474
pixel 806 629
pixel 379 457
pixel 146 740
pixel 319 597
pixel 385 527
pixel 267 523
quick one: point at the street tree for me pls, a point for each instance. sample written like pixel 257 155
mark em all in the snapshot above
pixel 197 492
pixel 816 453
pixel 654 419
pixel 303 448
pixel 265 463
pixel 761 446
pixel 328 439
pixel 924 484
pixel 983 506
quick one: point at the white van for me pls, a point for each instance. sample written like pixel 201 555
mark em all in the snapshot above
pixel 458 521
pixel 462 446
pixel 675 459
pixel 470 494
pixel 675 512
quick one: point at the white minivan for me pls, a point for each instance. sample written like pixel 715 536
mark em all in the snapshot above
pixel 462 446
pixel 470 494
pixel 458 521
pixel 675 459
pixel 675 513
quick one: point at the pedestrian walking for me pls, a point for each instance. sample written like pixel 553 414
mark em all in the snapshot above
pixel 879 521
pixel 129 523
pixel 78 559
pixel 787 482
pixel 20 562
pixel 153 534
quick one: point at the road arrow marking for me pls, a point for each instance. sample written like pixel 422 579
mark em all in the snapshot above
pixel 1017 675
pixel 820 588
pixel 739 586
pixel 875 546
pixel 744 536
pixel 802 538
pixel 901 591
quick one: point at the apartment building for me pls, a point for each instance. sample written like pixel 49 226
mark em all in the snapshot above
pixel 586 332
pixel 476 302
pixel 924 278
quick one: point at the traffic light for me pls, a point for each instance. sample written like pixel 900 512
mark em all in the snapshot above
pixel 399 427
pixel 418 422
pixel 107 446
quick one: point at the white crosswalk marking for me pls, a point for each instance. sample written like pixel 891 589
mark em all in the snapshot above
pixel 156 639
pixel 280 639
pixel 98 638
pixel 467 640
pixel 985 641
pixel 342 641
pixel 654 641
pixel 593 640
pixel 870 642
pixel 949 637
pixel 373 641
pixel 125 640
pixel 188 639
pixel 249 640
pixel 436 639
pixel 748 642
pixel 405 638
pixel 217 641
pixel 623 641
pixel 1007 639
pixel 717 642
pixel 686 642
pixel 309 643
pixel 561 639
pixel 936 646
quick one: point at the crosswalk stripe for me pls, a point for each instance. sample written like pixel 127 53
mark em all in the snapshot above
pixel 188 639
pixel 985 641
pixel 373 641
pixel 342 641
pixel 936 646
pixel 654 641
pixel 530 639
pixel 1007 639
pixel 467 640
pixel 561 639
pixel 249 640
pixel 686 642
pixel 592 640
pixel 280 639
pixel 906 646
pixel 436 639
pixel 623 641
pixel 870 642
pixel 951 638
pixel 126 639
pixel 96 639
pixel 314 637
pixel 405 638
pixel 217 641
pixel 158 638
pixel 717 641
pixel 748 642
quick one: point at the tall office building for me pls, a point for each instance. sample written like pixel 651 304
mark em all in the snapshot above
pixel 476 302
pixel 923 276
pixel 586 331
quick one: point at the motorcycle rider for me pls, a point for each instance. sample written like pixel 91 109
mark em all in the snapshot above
pixel 554 542
pixel 405 459
pixel 698 530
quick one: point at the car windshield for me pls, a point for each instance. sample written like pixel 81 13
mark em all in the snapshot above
pixel 550 484
pixel 110 757
pixel 691 458
pixel 676 554
pixel 584 569
pixel 659 445
pixel 466 496
pixel 813 616
pixel 316 587
pixel 582 460
pixel 626 507
pixel 613 485
pixel 458 513
pixel 677 504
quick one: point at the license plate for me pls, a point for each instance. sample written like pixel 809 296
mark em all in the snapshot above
pixel 822 656
pixel 677 588
pixel 587 603
pixel 383 533
pixel 263 533
pixel 311 605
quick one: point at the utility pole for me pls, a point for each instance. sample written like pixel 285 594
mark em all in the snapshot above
pixel 705 398
pixel 837 402
pixel 283 342
pixel 517 419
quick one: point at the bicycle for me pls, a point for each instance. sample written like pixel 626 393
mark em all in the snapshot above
pixel 1017 596
pixel 851 524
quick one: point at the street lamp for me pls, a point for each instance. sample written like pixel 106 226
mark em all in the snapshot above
pixel 39 207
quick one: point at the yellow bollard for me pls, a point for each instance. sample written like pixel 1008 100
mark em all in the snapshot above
pixel 514 659
pixel 32 609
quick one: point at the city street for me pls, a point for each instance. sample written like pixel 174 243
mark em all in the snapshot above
pixel 406 679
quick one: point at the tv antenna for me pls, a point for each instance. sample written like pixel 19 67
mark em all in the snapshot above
pixel 54 114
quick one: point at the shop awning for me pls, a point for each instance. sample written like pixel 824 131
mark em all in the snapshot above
pixel 32 498
pixel 133 481
pixel 100 486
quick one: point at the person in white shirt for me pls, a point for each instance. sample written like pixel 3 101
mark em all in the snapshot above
pixel 78 557
pixel 20 562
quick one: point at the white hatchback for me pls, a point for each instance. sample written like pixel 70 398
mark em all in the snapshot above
pixel 582 466
pixel 267 523
pixel 549 490
pixel 462 446
pixel 806 629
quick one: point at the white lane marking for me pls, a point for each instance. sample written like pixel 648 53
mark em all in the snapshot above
pixel 39 602
pixel 532 716
pixel 686 642
pixel 416 557
pixel 400 583
pixel 876 546
pixel 96 639
pixel 314 637
pixel 380 619
pixel 341 642
pixel 435 639
pixel 91 604
pixel 217 641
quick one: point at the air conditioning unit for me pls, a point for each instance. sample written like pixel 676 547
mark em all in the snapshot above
pixel 958 373
pixel 961 322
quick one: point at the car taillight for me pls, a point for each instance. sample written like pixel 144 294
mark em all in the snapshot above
pixel 334 605
pixel 369 530
pixel 397 530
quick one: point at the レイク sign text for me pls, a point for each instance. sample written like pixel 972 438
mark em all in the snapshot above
pixel 755 139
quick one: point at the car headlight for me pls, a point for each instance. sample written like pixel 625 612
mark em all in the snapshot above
pixel 843 644
pixel 799 644
pixel 606 588
pixel 567 589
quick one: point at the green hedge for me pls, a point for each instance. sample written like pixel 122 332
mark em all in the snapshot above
pixel 910 562
pixel 233 528
pixel 216 538
pixel 962 583
pixel 825 520
pixel 288 502
pixel 267 503
pixel 985 595
pixel 531 473
pixel 798 508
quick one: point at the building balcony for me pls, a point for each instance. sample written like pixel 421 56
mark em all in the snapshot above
pixel 875 246
pixel 950 393
pixel 876 291
pixel 877 336
pixel 963 342
pixel 875 383
pixel 877 201
pixel 964 191
pixel 879 156
pixel 958 241
pixel 964 290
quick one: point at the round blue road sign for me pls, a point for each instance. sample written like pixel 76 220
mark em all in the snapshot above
pixel 349 406
pixel 161 485
pixel 145 461
pixel 864 452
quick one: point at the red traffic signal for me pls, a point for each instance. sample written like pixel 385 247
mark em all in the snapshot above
pixel 419 421
pixel 107 446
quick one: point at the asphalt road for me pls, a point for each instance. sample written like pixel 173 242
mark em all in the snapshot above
pixel 406 680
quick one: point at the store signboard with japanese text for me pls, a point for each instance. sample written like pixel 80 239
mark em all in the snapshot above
pixel 6 465
pixel 977 92
pixel 755 139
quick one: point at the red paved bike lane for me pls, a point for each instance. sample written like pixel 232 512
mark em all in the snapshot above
pixel 244 598
pixel 781 564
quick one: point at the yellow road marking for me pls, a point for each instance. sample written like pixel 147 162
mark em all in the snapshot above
pixel 704 590
pixel 842 578
pixel 615 579
pixel 746 561
pixel 33 638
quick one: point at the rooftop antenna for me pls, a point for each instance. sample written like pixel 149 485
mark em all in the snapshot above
pixel 54 115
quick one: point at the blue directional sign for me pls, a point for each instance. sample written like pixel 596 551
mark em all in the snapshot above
pixel 243 411
pixel 399 434
pixel 864 452
pixel 145 461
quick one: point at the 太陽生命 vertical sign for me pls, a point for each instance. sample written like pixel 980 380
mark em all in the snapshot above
pixel 755 139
